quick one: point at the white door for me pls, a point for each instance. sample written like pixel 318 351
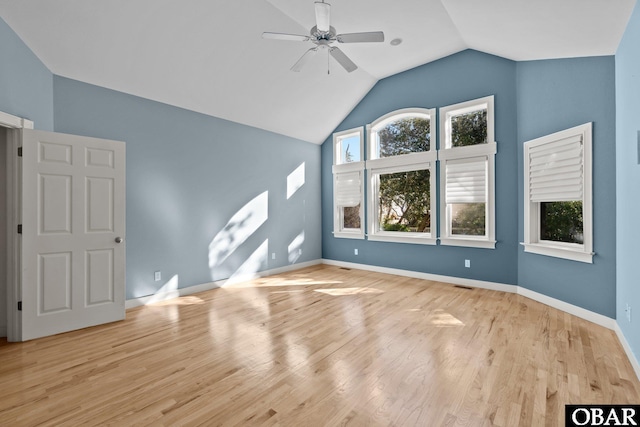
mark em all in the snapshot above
pixel 73 224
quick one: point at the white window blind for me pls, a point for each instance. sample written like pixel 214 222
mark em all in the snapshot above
pixel 347 189
pixel 556 170
pixel 466 181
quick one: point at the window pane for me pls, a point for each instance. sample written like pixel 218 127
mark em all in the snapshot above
pixel 410 135
pixel 351 217
pixel 469 129
pixel 561 222
pixel 405 202
pixel 468 219
pixel 349 149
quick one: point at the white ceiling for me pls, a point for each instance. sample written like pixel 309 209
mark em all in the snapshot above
pixel 208 55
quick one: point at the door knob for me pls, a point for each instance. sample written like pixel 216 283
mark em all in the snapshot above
pixel 118 239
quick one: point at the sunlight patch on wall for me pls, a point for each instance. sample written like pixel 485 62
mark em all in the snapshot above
pixel 239 228
pixel 295 180
pixel 168 290
pixel 295 248
pixel 256 262
pixel 185 300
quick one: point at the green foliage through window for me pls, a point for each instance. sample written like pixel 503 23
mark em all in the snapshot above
pixel 561 222
pixel 410 135
pixel 404 203
pixel 351 217
pixel 469 129
pixel 468 219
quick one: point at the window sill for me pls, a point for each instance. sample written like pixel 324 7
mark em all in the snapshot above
pixel 559 252
pixel 348 235
pixel 416 238
pixel 469 243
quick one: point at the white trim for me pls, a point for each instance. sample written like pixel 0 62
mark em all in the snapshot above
pixel 580 312
pixel 426 276
pixel 149 299
pixel 558 252
pixel 392 116
pixel 468 242
pixel 463 108
pixel 338 168
pixel 13 330
pixel 14 122
pixel 627 348
pixel 574 310
pixel 403 237
pixel 532 242
pixel 338 136
pixel 474 152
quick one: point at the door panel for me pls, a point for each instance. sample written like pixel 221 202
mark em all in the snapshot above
pixel 55 213
pixel 54 283
pixel 99 280
pixel 73 198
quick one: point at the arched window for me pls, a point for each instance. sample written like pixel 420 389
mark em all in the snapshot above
pixel 401 170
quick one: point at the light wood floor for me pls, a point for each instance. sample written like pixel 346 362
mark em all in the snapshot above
pixel 320 346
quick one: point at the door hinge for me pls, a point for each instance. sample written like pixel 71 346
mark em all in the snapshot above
pixel 19 151
pixel 19 228
pixel 19 305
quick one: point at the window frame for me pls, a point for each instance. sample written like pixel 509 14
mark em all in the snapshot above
pixel 487 151
pixel 343 168
pixel 409 162
pixel 532 241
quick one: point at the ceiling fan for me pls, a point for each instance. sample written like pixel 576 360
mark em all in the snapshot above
pixel 323 35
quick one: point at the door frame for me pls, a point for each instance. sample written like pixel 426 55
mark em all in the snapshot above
pixel 14 215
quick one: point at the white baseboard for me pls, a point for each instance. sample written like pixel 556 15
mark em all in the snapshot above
pixel 580 312
pixel 150 299
pixel 426 276
pixel 627 349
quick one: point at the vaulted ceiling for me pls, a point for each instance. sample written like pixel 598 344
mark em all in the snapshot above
pixel 209 56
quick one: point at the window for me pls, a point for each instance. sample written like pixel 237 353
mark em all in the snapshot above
pixel 348 184
pixel 401 168
pixel 557 202
pixel 467 174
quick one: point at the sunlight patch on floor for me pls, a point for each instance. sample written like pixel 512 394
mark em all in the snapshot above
pixel 349 291
pixel 442 319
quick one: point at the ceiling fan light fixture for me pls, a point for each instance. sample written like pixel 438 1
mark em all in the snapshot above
pixel 323 16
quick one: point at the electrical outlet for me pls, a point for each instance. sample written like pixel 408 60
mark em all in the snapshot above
pixel 273 255
pixel 157 276
pixel 628 311
pixel 467 263
pixel 355 252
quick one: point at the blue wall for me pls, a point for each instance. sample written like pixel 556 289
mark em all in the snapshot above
pixel 457 78
pixel 26 85
pixel 193 180
pixel 628 180
pixel 532 99
pixel 555 95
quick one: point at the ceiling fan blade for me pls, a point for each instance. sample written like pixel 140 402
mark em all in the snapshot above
pixel 303 60
pixel 343 59
pixel 288 37
pixel 374 36
pixel 323 16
